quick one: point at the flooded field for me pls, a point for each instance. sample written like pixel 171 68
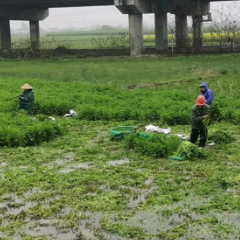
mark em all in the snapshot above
pixel 113 195
pixel 84 185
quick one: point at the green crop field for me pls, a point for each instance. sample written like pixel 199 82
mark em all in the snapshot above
pixel 117 38
pixel 67 179
pixel 114 39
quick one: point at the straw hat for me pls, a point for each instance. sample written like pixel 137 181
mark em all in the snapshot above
pixel 26 86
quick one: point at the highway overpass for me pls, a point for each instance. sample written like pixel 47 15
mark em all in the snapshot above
pixel 37 10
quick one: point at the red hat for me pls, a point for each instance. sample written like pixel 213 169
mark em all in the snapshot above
pixel 201 101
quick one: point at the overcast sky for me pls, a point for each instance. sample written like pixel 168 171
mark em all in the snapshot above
pixel 90 17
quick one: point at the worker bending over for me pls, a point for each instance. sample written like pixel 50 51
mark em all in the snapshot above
pixel 27 98
pixel 199 113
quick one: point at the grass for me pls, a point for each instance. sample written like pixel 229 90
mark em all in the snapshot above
pixel 67 189
pixel 123 72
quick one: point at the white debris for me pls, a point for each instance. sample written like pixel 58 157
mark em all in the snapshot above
pixel 211 144
pixel 71 113
pixel 182 137
pixel 152 128
pixel 52 118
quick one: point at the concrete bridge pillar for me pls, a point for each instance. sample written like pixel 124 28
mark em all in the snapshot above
pixel 20 14
pixel 35 34
pixel 5 34
pixel 197 33
pixel 136 34
pixel 181 31
pixel 161 32
pixel 135 10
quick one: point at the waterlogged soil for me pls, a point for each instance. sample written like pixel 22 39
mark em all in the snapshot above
pixel 98 190
pixel 83 165
pixel 77 166
pixel 118 162
pixel 66 170
pixel 44 227
pixel 67 158
pixel 89 228
pixel 140 197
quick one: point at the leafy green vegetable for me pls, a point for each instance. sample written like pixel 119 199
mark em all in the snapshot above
pixel 214 115
pixel 221 135
pixel 190 151
pixel 155 146
pixel 18 129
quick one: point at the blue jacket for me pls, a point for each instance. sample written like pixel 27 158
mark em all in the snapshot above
pixel 208 94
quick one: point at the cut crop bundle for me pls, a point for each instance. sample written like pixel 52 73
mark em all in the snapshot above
pixel 190 151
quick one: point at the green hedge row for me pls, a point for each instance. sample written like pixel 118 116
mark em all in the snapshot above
pixel 19 129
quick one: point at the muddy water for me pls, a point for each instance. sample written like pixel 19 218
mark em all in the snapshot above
pixel 2 175
pixel 84 230
pixel 203 230
pixel 32 192
pixel 87 233
pixel 140 197
pixel 6 208
pixel 67 170
pixel 72 168
pixel 24 208
pixel 118 162
pixel 44 227
pixel 83 165
pixel 11 198
pixel 93 223
pixel 67 158
pixel 149 181
pixel 151 221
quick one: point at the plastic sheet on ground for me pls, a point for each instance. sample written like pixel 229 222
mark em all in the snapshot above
pixel 152 128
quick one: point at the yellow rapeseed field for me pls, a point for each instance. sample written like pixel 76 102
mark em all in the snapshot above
pixel 208 37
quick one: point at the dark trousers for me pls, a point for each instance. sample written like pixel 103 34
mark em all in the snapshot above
pixel 203 136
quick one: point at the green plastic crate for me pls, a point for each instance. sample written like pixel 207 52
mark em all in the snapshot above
pixel 121 132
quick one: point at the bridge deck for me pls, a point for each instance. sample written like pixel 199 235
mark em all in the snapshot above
pixel 41 4
pixel 54 3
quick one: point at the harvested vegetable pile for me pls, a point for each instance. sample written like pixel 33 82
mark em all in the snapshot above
pixel 190 151
pixel 153 146
pixel 214 115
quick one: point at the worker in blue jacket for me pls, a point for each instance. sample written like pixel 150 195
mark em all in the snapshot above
pixel 207 93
